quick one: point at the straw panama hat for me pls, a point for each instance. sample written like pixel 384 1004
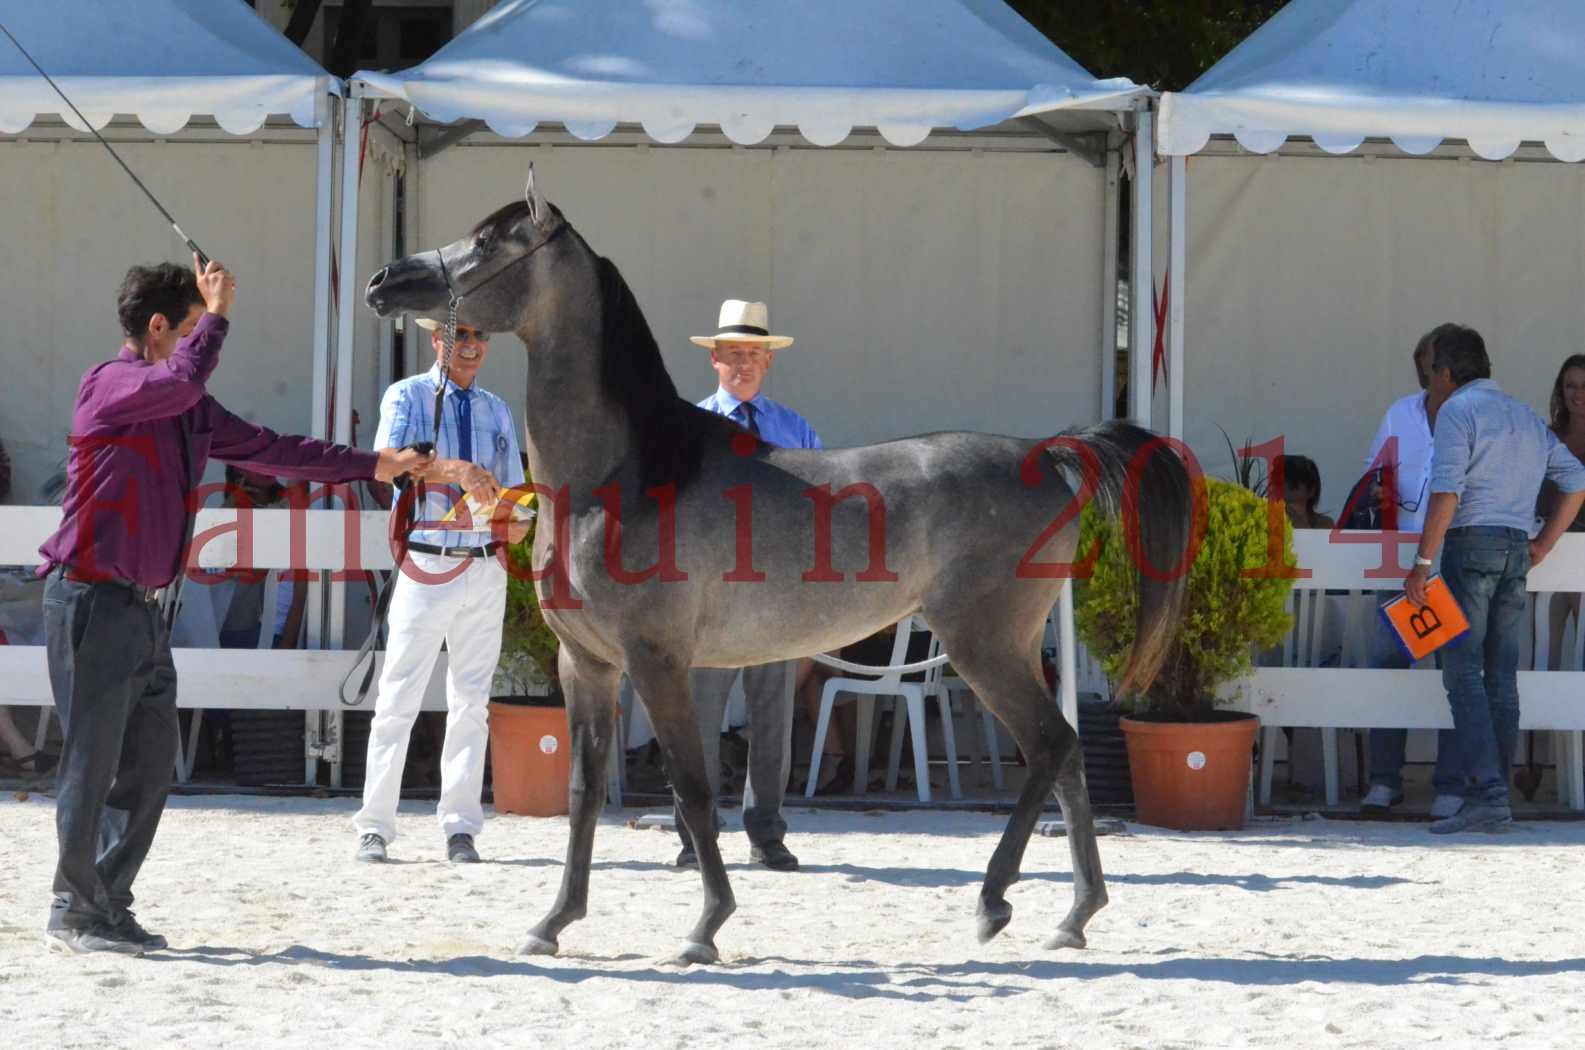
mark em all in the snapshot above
pixel 743 322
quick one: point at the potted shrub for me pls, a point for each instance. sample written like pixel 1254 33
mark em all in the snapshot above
pixel 1190 762
pixel 530 756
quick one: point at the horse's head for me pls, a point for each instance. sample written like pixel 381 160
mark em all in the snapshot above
pixel 491 270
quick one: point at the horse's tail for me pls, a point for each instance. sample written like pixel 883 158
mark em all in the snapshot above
pixel 1137 475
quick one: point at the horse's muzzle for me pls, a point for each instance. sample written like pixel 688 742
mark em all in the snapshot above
pixel 374 293
pixel 407 284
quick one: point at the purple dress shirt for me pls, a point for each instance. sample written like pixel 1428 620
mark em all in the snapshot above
pixel 125 514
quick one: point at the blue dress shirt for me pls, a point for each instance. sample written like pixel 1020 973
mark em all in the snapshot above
pixel 778 424
pixel 1492 451
pixel 407 414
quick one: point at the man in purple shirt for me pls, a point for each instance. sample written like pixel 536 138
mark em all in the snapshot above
pixel 142 430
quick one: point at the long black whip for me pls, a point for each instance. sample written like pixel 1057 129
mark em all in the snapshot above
pixel 203 260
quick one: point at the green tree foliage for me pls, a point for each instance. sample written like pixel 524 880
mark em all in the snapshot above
pixel 1163 43
pixel 1228 613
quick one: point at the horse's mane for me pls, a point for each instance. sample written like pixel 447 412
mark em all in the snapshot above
pixel 667 432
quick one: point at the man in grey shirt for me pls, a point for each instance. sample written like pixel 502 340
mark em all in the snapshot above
pixel 1488 458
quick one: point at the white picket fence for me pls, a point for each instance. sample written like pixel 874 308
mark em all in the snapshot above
pixel 1301 694
pixel 1296 694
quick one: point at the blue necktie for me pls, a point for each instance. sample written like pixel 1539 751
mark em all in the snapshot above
pixel 465 424
pixel 749 412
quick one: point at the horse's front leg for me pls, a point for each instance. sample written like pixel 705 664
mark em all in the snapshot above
pixel 661 680
pixel 590 687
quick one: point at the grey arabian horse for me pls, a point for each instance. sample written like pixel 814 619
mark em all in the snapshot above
pixel 672 538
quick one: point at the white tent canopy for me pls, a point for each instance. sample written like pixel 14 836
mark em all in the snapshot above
pixel 161 61
pixel 826 67
pixel 1492 72
pixel 748 66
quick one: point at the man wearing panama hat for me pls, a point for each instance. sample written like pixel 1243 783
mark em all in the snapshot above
pixel 742 351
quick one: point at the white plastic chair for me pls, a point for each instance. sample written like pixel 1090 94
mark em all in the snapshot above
pixel 987 738
pixel 911 713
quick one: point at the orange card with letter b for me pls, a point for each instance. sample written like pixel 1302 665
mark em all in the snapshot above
pixel 1423 629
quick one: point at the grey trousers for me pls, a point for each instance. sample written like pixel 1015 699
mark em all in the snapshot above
pixel 115 691
pixel 768 691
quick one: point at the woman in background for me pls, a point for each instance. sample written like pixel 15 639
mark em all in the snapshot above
pixel 1568 423
pixel 1301 490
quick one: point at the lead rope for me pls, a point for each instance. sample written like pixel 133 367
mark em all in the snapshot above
pixel 404 523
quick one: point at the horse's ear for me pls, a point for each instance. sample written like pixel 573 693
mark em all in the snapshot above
pixel 537 208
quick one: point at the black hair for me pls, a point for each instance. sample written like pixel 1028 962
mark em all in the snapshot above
pixel 164 288
pixel 1427 345
pixel 1462 352
pixel 1300 471
pixel 1559 407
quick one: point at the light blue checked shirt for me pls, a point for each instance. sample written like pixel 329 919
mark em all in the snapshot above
pixel 778 424
pixel 1492 451
pixel 407 414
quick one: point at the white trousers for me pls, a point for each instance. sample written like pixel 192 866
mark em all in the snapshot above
pixel 465 612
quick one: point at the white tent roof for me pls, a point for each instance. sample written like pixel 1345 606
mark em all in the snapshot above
pixel 826 66
pixel 1493 72
pixel 161 61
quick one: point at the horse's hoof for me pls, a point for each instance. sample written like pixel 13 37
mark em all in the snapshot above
pixel 694 952
pixel 993 918
pixel 536 945
pixel 1065 939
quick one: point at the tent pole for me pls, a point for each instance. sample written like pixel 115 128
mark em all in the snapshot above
pixel 1178 222
pixel 346 293
pixel 1141 338
pixel 318 421
pixel 324 186
pixel 1109 208
pixel 346 299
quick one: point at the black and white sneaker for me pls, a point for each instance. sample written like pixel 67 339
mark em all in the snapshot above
pixel 371 849
pixel 459 849
pixel 90 940
pixel 128 927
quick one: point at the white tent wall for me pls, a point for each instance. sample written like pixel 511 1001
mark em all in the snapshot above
pixel 74 225
pixel 927 290
pixel 1301 320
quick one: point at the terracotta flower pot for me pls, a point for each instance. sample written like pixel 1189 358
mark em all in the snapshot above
pixel 1191 776
pixel 530 759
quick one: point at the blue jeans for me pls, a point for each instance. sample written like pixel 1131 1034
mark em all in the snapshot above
pixel 1388 746
pixel 1485 568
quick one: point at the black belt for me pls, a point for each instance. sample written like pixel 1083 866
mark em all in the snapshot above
pixel 148 594
pixel 457 552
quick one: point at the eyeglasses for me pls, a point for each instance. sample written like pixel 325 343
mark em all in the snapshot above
pixel 465 334
pixel 1412 506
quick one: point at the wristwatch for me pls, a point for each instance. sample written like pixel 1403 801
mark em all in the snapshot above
pixel 1422 561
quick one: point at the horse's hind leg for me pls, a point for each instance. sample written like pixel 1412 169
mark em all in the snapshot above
pixel 590 688
pixel 662 682
pixel 1089 885
pixel 1011 683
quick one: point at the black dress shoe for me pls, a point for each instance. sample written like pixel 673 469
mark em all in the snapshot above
pixel 775 856
pixel 459 849
pixel 687 858
pixel 129 928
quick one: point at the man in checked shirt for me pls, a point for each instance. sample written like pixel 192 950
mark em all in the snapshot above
pixel 452 588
